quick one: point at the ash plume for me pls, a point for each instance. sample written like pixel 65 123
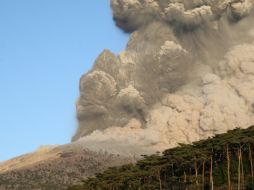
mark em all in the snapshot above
pixel 187 73
pixel 132 14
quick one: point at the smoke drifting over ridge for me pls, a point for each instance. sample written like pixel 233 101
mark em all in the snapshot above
pixel 186 74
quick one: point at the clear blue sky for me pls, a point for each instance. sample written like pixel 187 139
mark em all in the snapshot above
pixel 45 46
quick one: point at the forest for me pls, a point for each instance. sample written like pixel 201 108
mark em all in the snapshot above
pixel 224 161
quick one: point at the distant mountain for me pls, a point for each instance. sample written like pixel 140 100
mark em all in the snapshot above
pixel 55 168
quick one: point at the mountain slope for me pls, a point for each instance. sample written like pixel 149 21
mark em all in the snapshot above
pixel 55 167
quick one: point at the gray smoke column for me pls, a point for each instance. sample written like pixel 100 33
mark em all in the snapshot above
pixel 187 73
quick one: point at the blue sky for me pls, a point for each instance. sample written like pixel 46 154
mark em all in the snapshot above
pixel 45 46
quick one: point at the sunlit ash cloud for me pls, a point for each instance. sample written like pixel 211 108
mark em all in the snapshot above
pixel 187 73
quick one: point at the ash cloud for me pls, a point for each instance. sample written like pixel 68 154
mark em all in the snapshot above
pixel 132 14
pixel 187 73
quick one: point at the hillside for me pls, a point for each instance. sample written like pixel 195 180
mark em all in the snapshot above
pixel 54 168
pixel 222 162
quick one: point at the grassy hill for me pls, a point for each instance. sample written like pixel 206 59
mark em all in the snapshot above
pixel 222 162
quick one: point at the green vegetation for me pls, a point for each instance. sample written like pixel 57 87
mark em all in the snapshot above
pixel 222 162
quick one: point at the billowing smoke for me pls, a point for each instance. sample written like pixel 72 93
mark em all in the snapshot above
pixel 132 14
pixel 187 73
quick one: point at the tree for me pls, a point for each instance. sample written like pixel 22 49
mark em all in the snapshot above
pixel 229 153
pixel 228 167
pixel 211 172
pixel 251 161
